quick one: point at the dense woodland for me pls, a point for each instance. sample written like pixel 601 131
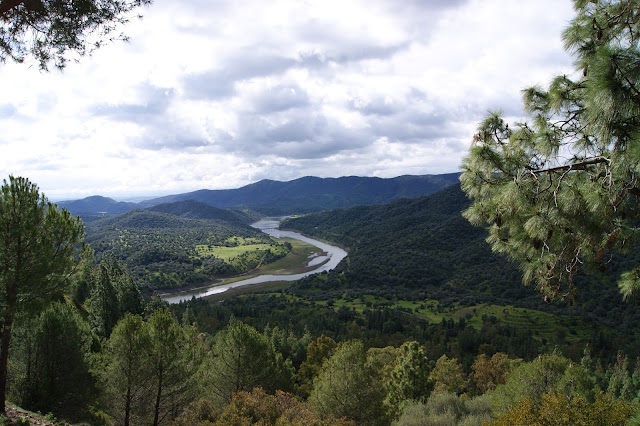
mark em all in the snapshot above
pixel 158 245
pixel 406 341
pixel 421 324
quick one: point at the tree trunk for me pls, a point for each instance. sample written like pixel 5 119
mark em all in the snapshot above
pixel 127 407
pixel 158 398
pixel 4 358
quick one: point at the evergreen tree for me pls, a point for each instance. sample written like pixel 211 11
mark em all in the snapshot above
pixel 318 351
pixel 126 373
pixel 448 376
pixel 242 359
pixel 561 191
pixel 103 303
pixel 410 376
pixel 58 378
pixel 170 379
pixel 49 29
pixel 37 246
pixel 128 294
pixel 348 386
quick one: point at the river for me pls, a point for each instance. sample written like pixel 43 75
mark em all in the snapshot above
pixel 270 226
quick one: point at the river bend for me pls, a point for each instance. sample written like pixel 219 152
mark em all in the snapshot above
pixel 270 226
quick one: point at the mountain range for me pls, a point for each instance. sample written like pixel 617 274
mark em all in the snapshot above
pixel 303 195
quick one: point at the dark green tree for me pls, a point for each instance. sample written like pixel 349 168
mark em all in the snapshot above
pixel 57 372
pixel 37 246
pixel 48 30
pixel 241 360
pixel 169 378
pixel 113 293
pixel 561 191
pixel 103 303
pixel 348 386
pixel 410 376
pixel 129 297
pixel 318 351
pixel 127 372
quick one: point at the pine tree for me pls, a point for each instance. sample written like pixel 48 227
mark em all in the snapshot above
pixel 410 376
pixel 242 359
pixel 347 386
pixel 127 373
pixel 37 247
pixel 561 190
pixel 58 380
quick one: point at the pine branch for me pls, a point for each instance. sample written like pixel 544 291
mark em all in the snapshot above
pixel 7 5
pixel 575 166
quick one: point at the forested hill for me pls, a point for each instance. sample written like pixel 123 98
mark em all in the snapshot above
pixel 160 248
pixel 312 194
pixel 191 209
pixel 424 249
pixel 96 206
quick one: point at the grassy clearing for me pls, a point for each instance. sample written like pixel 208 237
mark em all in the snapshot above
pixel 293 263
pixel 228 253
pixel 544 326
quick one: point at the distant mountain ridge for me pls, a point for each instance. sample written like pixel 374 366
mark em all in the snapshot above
pixel 312 194
pixel 97 204
pixel 303 195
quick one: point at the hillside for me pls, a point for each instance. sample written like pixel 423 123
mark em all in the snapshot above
pixel 165 250
pixel 423 249
pixel 192 209
pixel 311 194
pixel 96 206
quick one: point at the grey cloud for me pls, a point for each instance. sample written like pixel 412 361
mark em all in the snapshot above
pixel 171 142
pixel 220 83
pixel 154 102
pixel 363 52
pixel 280 98
pixel 376 106
pixel 304 134
pixel 414 126
pixel 342 51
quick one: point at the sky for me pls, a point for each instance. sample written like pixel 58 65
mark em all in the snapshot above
pixel 218 94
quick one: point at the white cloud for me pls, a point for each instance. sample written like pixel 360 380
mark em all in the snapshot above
pixel 219 94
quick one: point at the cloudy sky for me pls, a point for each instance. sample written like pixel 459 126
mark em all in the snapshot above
pixel 220 94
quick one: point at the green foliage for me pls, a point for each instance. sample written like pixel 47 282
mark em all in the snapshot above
pixel 172 365
pixel 103 303
pixel 112 294
pixel 318 351
pixel 547 373
pixel 347 386
pixel 448 376
pixel 126 371
pixel 562 191
pixel 54 362
pixel 49 31
pixel 162 250
pixel 410 376
pixel 242 359
pixel 37 247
